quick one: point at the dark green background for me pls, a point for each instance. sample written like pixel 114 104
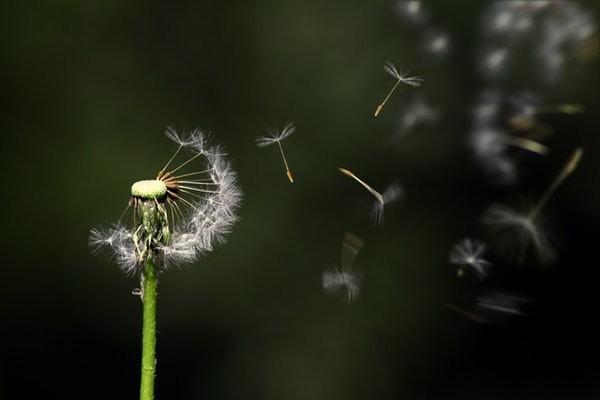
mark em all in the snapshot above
pixel 87 90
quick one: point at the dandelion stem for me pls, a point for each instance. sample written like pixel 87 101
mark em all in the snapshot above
pixel 568 169
pixel 380 107
pixel 287 169
pixel 149 330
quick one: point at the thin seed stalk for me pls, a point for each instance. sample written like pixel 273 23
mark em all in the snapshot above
pixel 149 331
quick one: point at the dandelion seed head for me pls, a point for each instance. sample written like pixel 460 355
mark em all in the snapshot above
pixel 203 207
pixel 468 254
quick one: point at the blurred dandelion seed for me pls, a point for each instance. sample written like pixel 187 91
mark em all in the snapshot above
pixel 560 109
pixel 391 194
pixel 391 69
pixel 351 247
pixel 494 306
pixel 518 230
pixel 277 136
pixel 345 277
pixel 467 314
pixel 336 279
pixel 502 302
pixel 417 113
pixel 468 255
pixel 524 144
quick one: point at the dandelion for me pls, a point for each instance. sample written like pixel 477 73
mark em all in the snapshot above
pixel 519 230
pixel 391 69
pixel 177 216
pixel 277 136
pixel 345 277
pixel 468 255
pixel 391 194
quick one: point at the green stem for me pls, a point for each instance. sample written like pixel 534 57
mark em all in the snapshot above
pixel 149 331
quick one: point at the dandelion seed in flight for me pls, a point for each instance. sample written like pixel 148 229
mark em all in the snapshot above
pixel 467 314
pixel 178 215
pixel 345 278
pixel 519 230
pixel 502 302
pixel 337 278
pixel 468 254
pixel 391 69
pixel 277 136
pixel 391 194
pixel 494 306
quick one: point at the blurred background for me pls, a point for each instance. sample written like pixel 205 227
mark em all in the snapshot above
pixel 87 91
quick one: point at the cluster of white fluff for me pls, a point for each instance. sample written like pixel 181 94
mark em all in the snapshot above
pixel 204 222
pixel 340 279
pixel 494 139
pixel 435 41
pixel 556 29
pixel 486 139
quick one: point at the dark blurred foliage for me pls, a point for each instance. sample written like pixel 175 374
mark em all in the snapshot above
pixel 88 88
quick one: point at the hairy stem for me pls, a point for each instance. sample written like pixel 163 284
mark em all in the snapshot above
pixel 149 331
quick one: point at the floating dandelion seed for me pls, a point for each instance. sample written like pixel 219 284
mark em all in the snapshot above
pixel 437 43
pixel 492 139
pixel 519 230
pixel 277 136
pixel 527 107
pixel 567 108
pixel 411 10
pixel 493 307
pixel 467 314
pixel 202 204
pixel 417 113
pixel 468 254
pixel 502 302
pixel 351 247
pixel 336 279
pixel 391 194
pixel 391 69
pixel 345 277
